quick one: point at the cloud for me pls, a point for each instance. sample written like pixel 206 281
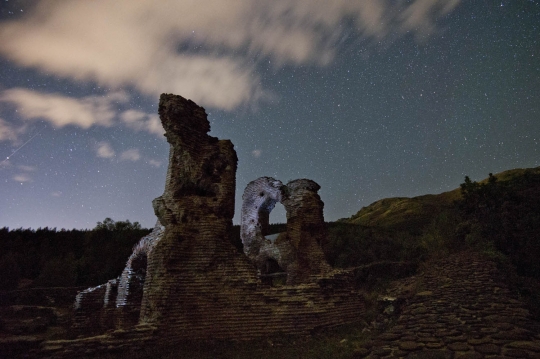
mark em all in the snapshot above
pixel 62 111
pixel 104 150
pixel 141 121
pixel 420 16
pixel 155 163
pixel 56 194
pixel 256 153
pixel 202 49
pixel 130 155
pixel 26 168
pixel 6 131
pixel 23 178
pixel 10 132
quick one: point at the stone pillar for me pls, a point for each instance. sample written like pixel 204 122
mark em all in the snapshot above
pixel 194 262
pixel 306 230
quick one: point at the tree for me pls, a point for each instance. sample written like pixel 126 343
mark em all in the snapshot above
pixel 109 224
pixel 505 216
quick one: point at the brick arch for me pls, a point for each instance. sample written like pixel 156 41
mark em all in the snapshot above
pixel 296 251
pixel 259 199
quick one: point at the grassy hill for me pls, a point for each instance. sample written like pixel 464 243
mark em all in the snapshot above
pixel 502 216
pixel 414 214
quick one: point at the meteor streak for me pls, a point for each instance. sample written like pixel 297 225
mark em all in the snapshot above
pixel 24 144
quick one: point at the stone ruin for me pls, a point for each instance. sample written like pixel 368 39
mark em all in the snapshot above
pixel 297 252
pixel 118 302
pixel 186 280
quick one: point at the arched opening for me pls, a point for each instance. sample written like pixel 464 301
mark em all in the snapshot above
pixel 276 222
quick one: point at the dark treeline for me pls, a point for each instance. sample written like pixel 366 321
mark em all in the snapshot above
pixel 61 258
pixel 504 215
pixel 47 257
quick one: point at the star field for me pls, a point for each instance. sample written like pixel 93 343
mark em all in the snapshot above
pixel 370 99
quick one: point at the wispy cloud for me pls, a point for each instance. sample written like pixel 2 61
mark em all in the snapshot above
pixel 22 177
pixel 155 163
pixel 26 168
pixel 61 110
pixel 104 150
pixel 256 153
pixel 10 132
pixel 130 155
pixel 141 121
pixel 56 194
pixel 136 43
pixel 6 131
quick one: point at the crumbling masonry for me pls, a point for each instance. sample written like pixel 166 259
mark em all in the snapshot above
pixel 297 251
pixel 187 281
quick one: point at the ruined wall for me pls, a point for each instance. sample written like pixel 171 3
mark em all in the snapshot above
pixel 306 230
pixel 259 199
pixel 117 303
pixel 196 285
pixel 297 251
pixel 194 266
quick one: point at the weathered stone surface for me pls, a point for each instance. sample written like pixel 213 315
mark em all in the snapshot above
pixel 197 285
pixel 430 354
pixel 306 230
pixel 458 347
pixel 131 281
pixel 487 349
pixel 18 347
pixel 116 303
pixel 192 271
pixel 526 345
pixel 409 345
pixel 259 199
pixel 130 284
pixel 298 251
pixel 452 318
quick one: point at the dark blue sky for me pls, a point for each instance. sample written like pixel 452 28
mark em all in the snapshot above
pixel 370 99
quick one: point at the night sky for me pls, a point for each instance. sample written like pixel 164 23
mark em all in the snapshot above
pixel 369 98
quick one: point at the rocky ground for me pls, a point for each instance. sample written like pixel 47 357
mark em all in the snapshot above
pixel 459 309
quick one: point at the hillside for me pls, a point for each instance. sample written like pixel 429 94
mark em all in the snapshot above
pixel 413 214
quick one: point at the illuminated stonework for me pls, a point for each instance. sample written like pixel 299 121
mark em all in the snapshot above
pixel 297 251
